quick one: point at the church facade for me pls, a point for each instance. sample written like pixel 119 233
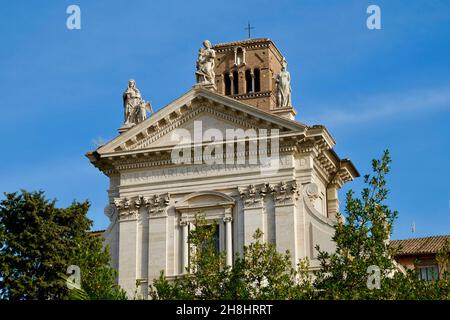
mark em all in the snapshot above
pixel 229 148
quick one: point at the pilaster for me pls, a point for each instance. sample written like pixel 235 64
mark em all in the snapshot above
pixel 127 215
pixel 158 235
pixel 254 211
pixel 285 196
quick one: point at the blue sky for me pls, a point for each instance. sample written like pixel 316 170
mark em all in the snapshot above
pixel 374 89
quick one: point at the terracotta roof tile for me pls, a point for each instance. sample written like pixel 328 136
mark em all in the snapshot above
pixel 242 42
pixel 420 245
pixel 97 233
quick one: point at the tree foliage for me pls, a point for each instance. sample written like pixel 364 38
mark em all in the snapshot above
pixel 39 241
pixel 362 243
pixel 260 272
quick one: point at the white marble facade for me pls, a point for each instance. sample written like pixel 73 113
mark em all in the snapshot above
pixel 152 201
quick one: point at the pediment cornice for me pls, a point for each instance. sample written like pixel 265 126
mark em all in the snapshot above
pixel 133 149
pixel 188 107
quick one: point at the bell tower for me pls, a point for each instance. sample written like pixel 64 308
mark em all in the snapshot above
pixel 248 70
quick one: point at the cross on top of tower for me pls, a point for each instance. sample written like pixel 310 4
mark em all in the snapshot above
pixel 249 28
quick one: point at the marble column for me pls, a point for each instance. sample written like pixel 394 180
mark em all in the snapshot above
pixel 185 243
pixel 253 81
pixel 229 239
pixel 232 83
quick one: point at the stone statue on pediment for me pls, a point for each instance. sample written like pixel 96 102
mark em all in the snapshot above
pixel 283 82
pixel 135 108
pixel 205 64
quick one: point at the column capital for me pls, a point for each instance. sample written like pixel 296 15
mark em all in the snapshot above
pixel 157 205
pixel 126 209
pixel 253 196
pixel 285 192
pixel 229 239
pixel 183 222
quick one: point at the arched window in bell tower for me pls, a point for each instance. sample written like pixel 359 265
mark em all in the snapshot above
pixel 239 56
pixel 249 83
pixel 257 75
pixel 227 83
pixel 235 82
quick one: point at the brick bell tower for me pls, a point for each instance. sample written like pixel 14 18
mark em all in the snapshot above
pixel 247 71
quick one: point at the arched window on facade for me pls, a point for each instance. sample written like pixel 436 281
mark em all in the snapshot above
pixel 218 211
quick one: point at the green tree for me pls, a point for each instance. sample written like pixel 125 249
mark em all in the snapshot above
pixel 264 273
pixel 362 245
pixel 38 241
pixel 361 241
pixel 259 273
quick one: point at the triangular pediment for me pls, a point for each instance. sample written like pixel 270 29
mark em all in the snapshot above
pixel 208 121
pixel 212 110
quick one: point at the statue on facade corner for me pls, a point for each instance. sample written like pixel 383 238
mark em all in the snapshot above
pixel 283 81
pixel 135 108
pixel 205 64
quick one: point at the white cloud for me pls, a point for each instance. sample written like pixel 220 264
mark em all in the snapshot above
pixel 384 107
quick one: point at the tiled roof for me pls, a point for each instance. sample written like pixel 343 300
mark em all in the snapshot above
pixel 242 42
pixel 420 245
pixel 97 233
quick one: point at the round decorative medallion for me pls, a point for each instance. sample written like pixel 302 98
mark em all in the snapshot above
pixel 312 190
